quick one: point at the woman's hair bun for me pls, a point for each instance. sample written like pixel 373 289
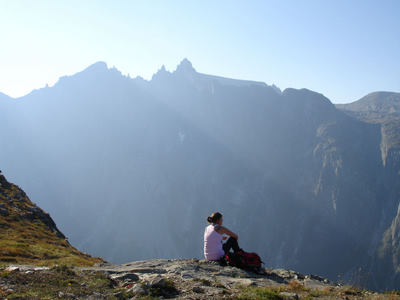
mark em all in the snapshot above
pixel 214 217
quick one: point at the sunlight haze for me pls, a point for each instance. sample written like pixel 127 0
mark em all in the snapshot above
pixel 341 49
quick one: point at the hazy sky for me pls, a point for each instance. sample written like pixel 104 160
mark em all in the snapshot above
pixel 343 49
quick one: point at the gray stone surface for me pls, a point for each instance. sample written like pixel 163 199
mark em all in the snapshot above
pixel 193 279
pixel 200 279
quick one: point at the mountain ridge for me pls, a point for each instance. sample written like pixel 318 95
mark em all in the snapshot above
pixel 184 68
pixel 285 166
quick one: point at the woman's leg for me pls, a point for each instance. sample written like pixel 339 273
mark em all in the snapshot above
pixel 231 243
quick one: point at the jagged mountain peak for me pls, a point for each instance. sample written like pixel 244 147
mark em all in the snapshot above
pixel 185 66
pixel 161 73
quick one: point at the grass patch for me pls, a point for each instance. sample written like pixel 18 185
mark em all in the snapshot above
pixel 216 283
pixel 259 293
pixel 61 281
pixel 28 240
pixel 304 293
pixel 395 293
pixel 167 289
pixel 203 281
pixel 351 290
pixel 315 293
pixel 296 286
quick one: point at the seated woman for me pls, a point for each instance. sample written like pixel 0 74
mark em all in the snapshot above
pixel 213 236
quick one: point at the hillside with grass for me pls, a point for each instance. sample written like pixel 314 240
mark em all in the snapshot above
pixel 28 235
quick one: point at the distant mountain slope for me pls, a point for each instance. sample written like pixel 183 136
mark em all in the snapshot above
pixel 374 107
pixel 381 108
pixel 129 168
pixel 28 235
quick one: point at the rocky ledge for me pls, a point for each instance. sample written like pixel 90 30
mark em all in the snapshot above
pixel 200 279
pixel 177 279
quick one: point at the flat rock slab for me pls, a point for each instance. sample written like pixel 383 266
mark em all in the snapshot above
pixel 202 270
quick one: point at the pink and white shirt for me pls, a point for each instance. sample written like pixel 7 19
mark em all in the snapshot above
pixel 212 243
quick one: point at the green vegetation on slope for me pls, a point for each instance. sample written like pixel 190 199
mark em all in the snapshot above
pixel 59 282
pixel 29 236
pixel 295 290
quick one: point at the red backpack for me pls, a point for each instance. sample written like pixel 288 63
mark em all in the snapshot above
pixel 244 260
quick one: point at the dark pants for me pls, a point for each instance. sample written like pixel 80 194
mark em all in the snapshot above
pixel 231 243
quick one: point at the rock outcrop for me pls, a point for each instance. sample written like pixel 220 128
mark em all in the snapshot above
pixel 383 109
pixel 29 235
pixel 172 279
pixel 202 279
pixel 17 204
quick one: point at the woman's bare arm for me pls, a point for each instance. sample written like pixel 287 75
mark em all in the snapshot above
pixel 224 230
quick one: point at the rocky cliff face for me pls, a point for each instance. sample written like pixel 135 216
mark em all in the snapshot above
pixel 383 109
pixel 29 235
pixel 141 163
